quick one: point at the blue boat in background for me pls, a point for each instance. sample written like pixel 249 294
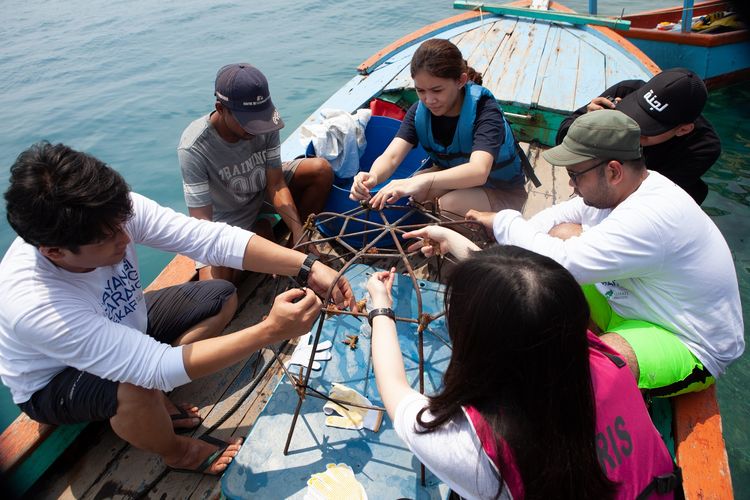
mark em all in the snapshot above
pixel 706 38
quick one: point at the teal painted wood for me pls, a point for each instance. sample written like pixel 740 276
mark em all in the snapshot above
pixel 547 15
pixel 707 62
pixel 381 462
pixel 26 474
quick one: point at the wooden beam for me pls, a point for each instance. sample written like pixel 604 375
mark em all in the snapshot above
pixel 546 15
pixel 700 446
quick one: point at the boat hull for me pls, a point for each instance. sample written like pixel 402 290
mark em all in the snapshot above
pixel 720 59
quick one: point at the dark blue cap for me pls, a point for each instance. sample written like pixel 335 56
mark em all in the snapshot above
pixel 243 89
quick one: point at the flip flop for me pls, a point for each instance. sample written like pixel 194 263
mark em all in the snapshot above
pixel 201 469
pixel 183 415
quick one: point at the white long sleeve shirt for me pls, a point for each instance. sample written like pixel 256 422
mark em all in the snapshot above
pixel 656 257
pixel 96 321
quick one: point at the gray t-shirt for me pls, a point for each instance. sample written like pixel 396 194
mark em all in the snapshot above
pixel 229 176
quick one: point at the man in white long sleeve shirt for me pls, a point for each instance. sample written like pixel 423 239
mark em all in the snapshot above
pixel 656 271
pixel 80 341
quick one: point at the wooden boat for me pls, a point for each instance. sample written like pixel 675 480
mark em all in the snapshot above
pixel 540 70
pixel 719 58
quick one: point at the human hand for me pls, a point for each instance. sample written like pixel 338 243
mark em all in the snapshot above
pixel 301 243
pixel 379 287
pixel 361 185
pixel 320 279
pixel 484 218
pixel 433 240
pixel 293 313
pixel 602 103
pixel 400 188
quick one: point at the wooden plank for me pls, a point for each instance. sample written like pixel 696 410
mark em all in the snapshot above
pixel 591 79
pixel 412 38
pixel 701 452
pixel 480 44
pixel 543 196
pixel 546 15
pixel 497 77
pixel 646 65
pixel 617 68
pixel 491 42
pixel 520 70
pixel 19 439
pixel 543 71
pixel 181 269
pixel 562 75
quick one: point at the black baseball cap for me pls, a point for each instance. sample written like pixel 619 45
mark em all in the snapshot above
pixel 671 98
pixel 243 89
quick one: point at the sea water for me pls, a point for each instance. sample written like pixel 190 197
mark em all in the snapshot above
pixel 121 80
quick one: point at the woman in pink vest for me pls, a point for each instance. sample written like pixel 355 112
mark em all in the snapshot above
pixel 532 406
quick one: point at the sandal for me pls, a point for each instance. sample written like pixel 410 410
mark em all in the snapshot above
pixel 223 445
pixel 183 415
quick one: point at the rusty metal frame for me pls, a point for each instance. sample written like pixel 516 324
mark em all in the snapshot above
pixel 375 231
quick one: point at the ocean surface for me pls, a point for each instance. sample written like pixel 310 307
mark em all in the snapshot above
pixel 121 80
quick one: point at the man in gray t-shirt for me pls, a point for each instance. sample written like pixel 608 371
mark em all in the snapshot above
pixel 231 164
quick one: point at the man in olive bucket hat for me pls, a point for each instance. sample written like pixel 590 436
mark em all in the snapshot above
pixel 678 141
pixel 656 271
pixel 231 164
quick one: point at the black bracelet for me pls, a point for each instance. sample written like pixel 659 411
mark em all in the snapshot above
pixel 383 311
pixel 304 272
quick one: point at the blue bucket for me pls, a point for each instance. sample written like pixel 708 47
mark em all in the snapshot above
pixel 379 133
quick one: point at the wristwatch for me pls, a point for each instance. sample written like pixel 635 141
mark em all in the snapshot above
pixel 304 272
pixel 383 311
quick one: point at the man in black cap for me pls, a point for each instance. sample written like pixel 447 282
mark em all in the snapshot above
pixel 677 140
pixel 231 163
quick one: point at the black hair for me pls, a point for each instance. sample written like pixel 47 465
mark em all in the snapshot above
pixel 59 197
pixel 442 59
pixel 518 324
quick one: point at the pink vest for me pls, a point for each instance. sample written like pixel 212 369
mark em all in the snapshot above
pixel 630 450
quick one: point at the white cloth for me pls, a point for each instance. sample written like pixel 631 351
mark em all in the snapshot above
pixel 453 452
pixel 339 138
pixel 657 257
pixel 96 321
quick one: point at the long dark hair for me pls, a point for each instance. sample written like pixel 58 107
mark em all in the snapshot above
pixel 442 59
pixel 518 323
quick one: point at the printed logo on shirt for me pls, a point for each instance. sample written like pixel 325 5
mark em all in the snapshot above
pixel 614 290
pixel 122 292
pixel 247 178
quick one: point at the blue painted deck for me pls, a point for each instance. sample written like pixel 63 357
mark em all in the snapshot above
pixel 381 462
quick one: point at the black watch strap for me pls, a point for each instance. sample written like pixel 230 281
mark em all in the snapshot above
pixel 383 311
pixel 304 272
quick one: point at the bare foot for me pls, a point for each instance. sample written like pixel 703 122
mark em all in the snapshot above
pixel 193 420
pixel 198 451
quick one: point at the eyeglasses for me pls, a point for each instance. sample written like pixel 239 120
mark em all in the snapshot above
pixel 575 175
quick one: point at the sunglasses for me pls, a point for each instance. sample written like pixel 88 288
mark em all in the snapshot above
pixel 575 175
